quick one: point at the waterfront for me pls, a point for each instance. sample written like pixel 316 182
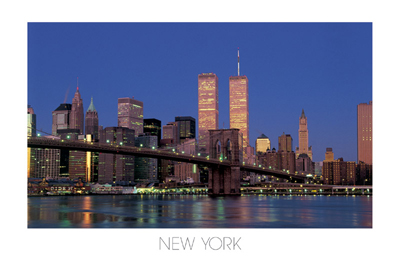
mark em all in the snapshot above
pixel 200 211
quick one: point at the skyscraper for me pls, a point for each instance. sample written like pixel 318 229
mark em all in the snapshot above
pixel 364 133
pixel 31 133
pixel 31 122
pixel 130 114
pixel 339 172
pixel 153 127
pixel 114 167
pixel 170 131
pixel 77 112
pixel 186 127
pixel 285 143
pixel 239 105
pixel 61 118
pixel 208 108
pixel 92 121
pixel 262 144
pixel 287 158
pixel 303 147
pixel 329 156
pixel 146 169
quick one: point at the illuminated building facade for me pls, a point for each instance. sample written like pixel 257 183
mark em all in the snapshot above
pixel 75 159
pixel 77 112
pixel 186 127
pixel 153 127
pixel 47 163
pixel 208 112
pixel 339 172
pixel 170 132
pixel 329 156
pixel 185 170
pixel 130 114
pixel 364 133
pixel 51 163
pixel 112 167
pixel 285 143
pixel 146 169
pixel 31 122
pixel 31 126
pixel 61 118
pixel 278 160
pixel 239 106
pixel 92 121
pixel 263 144
pixel 92 162
pixel 77 164
pixel 270 159
pixel 303 147
pixel 287 161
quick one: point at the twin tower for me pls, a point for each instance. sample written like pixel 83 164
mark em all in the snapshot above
pixel 208 112
pixel 209 109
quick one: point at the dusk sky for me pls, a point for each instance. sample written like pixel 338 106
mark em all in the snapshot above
pixel 323 68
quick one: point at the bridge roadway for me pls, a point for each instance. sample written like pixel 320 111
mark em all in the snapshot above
pixel 42 142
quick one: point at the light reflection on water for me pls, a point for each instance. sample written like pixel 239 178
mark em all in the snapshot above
pixel 191 211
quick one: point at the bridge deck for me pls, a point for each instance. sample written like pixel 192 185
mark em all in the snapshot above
pixel 41 142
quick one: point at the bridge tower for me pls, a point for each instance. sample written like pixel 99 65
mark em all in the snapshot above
pixel 225 145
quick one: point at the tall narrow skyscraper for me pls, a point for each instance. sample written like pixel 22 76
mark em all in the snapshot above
pixel 208 108
pixel 186 127
pixel 285 143
pixel 61 118
pixel 77 112
pixel 170 131
pixel 239 105
pixel 303 147
pixel 31 122
pixel 130 114
pixel 31 133
pixel 153 127
pixel 114 167
pixel 364 133
pixel 92 121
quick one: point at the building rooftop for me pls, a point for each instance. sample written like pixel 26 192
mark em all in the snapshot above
pixel 91 106
pixel 63 106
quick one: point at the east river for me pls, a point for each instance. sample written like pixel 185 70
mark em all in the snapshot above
pixel 199 211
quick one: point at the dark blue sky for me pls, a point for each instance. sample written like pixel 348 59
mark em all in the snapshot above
pixel 323 68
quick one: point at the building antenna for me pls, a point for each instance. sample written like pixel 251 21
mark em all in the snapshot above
pixel 66 95
pixel 238 62
pixel 77 83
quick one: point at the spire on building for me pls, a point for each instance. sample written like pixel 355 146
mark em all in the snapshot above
pixel 91 106
pixel 302 114
pixel 238 63
pixel 77 93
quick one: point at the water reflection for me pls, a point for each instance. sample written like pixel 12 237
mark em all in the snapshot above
pixel 146 211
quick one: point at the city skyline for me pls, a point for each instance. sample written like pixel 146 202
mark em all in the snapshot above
pixel 384 22
pixel 327 72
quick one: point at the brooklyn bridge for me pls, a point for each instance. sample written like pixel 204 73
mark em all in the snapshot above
pixel 224 161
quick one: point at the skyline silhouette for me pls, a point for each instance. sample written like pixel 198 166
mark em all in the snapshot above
pixel 323 68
